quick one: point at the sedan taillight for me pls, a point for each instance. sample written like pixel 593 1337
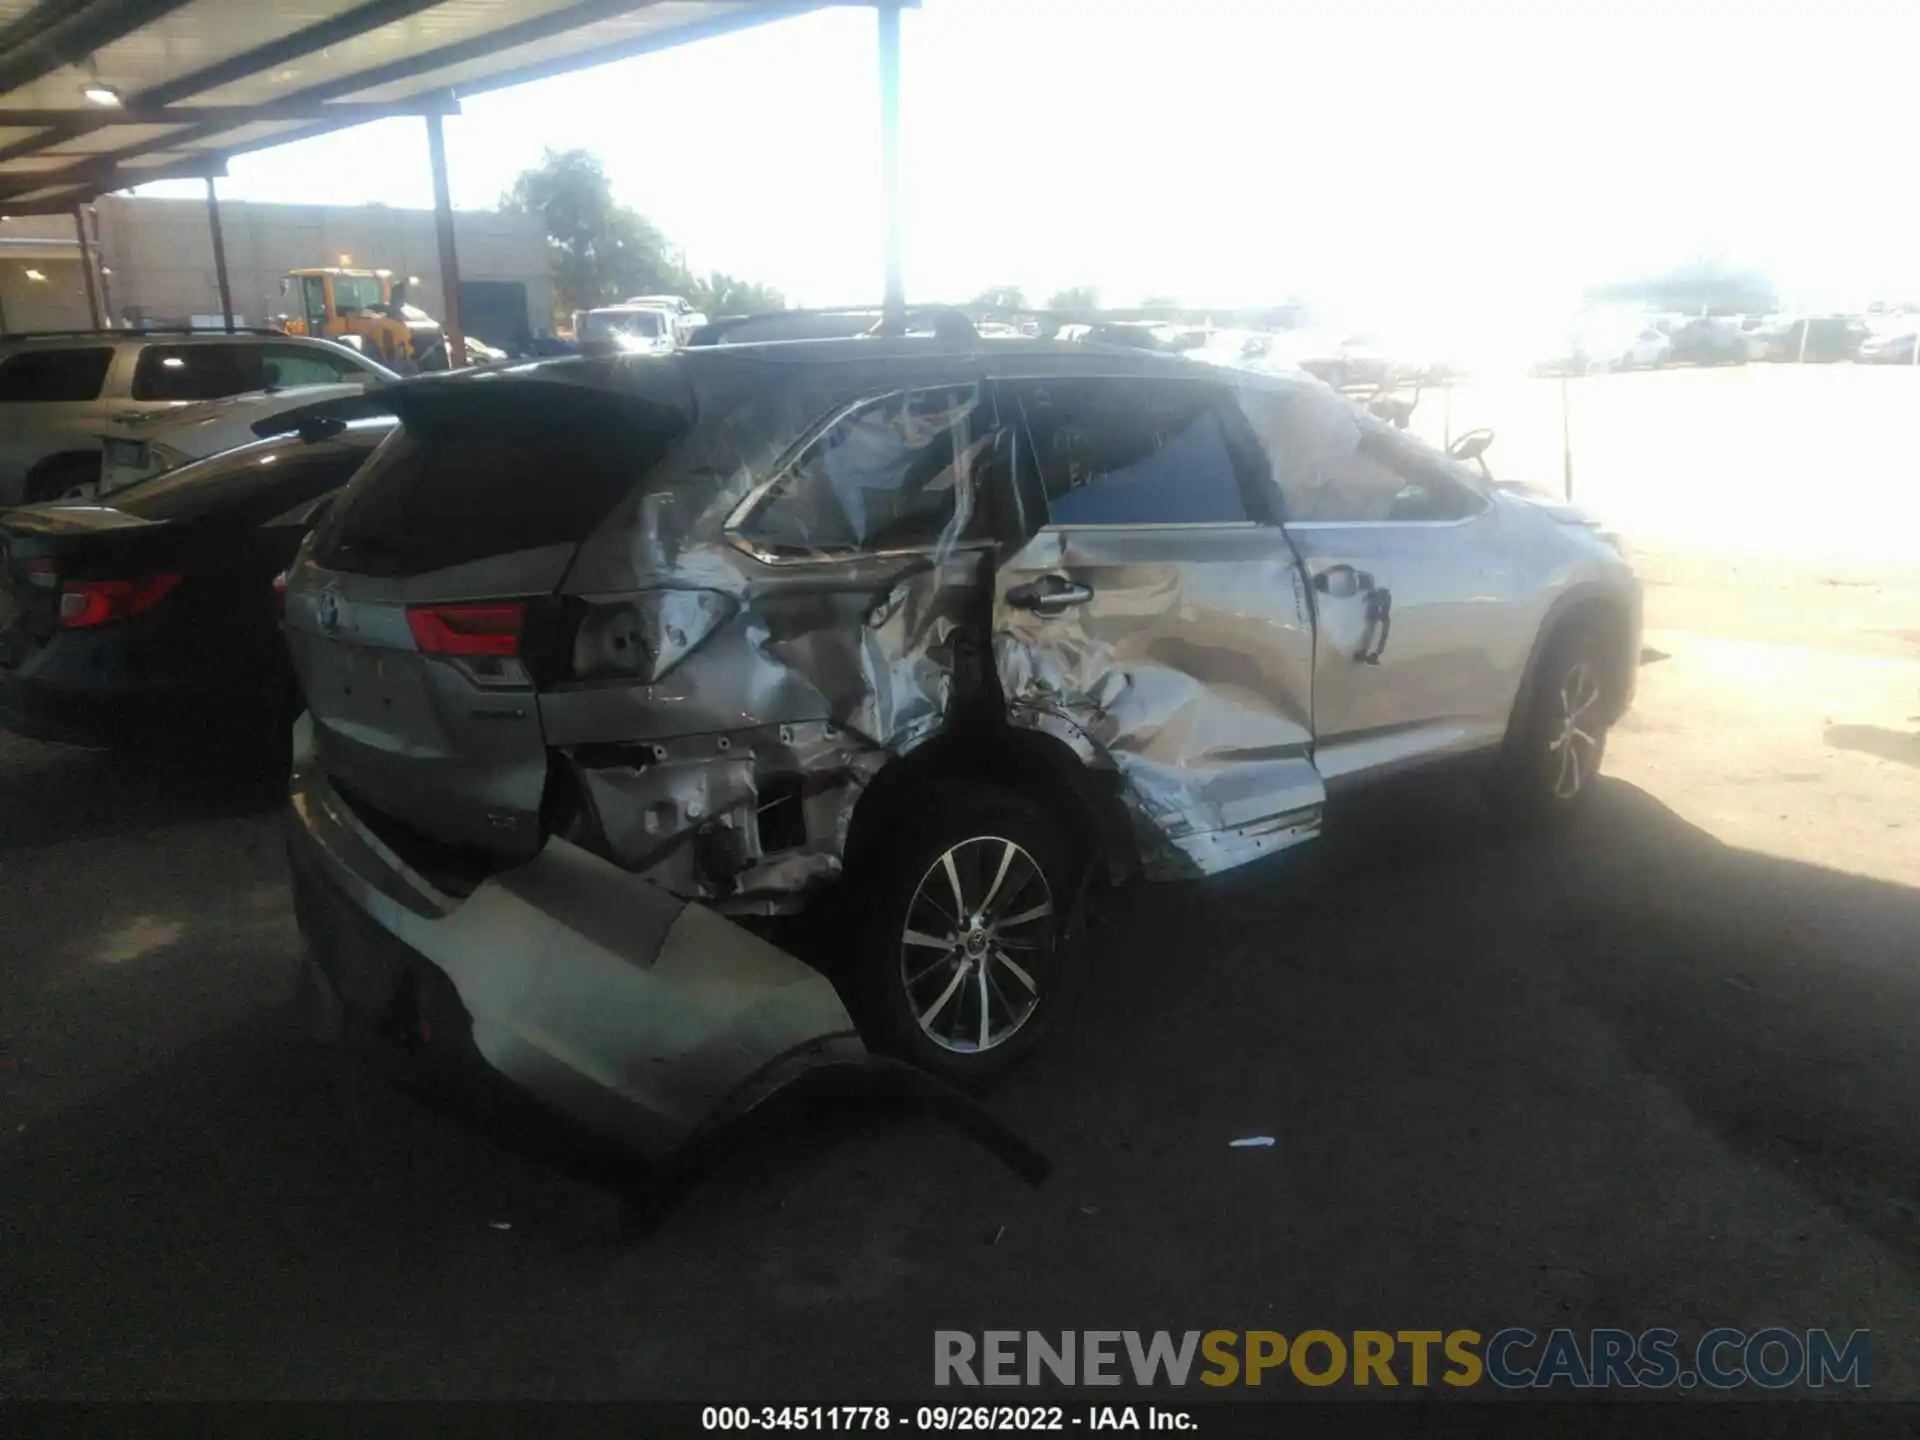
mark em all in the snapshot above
pixel 86 603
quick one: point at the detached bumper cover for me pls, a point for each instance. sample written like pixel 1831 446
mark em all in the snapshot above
pixel 644 1018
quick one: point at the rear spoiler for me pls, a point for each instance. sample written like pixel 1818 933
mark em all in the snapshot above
pixel 543 399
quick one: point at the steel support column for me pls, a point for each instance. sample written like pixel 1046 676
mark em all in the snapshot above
pixel 87 270
pixel 449 260
pixel 888 13
pixel 219 254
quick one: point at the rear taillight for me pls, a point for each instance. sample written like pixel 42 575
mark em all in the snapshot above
pixel 86 603
pixel 491 630
pixel 280 596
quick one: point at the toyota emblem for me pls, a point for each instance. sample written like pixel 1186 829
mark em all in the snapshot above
pixel 327 611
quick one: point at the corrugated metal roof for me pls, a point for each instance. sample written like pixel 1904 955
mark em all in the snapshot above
pixel 201 80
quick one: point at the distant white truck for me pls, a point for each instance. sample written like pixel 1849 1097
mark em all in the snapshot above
pixel 629 329
pixel 686 319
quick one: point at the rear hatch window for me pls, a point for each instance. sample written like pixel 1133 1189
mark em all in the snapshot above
pixel 449 489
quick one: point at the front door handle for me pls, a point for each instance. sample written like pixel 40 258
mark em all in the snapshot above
pixel 1342 582
pixel 1049 595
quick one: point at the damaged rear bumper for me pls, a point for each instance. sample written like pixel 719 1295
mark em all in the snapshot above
pixel 644 1018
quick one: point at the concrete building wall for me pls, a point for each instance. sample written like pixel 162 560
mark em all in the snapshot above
pixel 158 258
pixel 41 287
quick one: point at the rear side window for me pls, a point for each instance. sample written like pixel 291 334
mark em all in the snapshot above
pixel 890 474
pixel 41 377
pixel 1131 452
pixel 196 372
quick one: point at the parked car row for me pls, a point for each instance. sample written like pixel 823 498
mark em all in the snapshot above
pixel 1615 343
pixel 83 407
pixel 925 640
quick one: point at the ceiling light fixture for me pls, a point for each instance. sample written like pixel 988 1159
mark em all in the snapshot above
pixel 105 96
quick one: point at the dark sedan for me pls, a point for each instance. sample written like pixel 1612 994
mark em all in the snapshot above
pixel 150 623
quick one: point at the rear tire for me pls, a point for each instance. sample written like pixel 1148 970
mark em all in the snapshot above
pixel 966 936
pixel 1557 742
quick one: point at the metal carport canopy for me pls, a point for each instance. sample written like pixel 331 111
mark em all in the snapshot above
pixel 200 80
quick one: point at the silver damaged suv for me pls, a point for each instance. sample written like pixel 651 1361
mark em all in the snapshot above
pixel 927 639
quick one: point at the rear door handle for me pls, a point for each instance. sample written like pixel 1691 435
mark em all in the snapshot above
pixel 1049 595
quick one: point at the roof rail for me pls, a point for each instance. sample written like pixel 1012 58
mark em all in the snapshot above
pixel 948 322
pixel 114 331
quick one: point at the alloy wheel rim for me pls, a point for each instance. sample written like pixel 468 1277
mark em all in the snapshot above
pixel 977 946
pixel 1575 743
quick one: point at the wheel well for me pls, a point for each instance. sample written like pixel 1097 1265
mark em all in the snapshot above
pixel 51 466
pixel 1087 802
pixel 1609 621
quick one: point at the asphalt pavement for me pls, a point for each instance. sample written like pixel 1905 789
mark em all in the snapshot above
pixel 1627 1075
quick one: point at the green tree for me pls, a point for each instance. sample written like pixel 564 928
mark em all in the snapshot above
pixel 1001 297
pixel 720 294
pixel 1074 298
pixel 601 251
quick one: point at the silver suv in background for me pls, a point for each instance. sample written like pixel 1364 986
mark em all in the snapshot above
pixel 61 392
pixel 938 636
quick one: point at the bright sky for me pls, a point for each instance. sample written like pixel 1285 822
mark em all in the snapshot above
pixel 1443 160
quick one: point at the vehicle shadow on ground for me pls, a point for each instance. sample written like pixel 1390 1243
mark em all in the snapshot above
pixel 52 794
pixel 1900 746
pixel 257 1216
pixel 1778 1001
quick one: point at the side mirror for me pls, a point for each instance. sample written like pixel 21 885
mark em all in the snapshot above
pixel 398 294
pixel 1472 445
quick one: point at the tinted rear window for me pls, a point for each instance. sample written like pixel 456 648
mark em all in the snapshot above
pixel 53 376
pixel 197 372
pixel 445 496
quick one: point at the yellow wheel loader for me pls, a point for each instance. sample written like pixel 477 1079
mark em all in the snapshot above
pixel 369 308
